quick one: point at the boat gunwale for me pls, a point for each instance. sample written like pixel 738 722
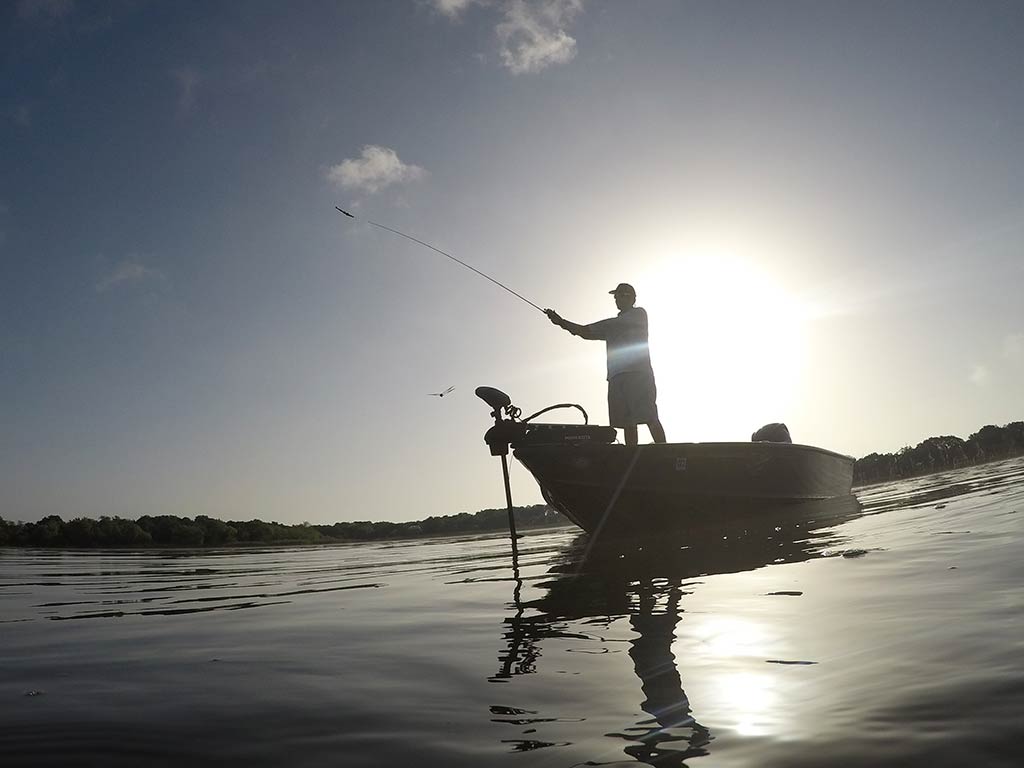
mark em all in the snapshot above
pixel 667 446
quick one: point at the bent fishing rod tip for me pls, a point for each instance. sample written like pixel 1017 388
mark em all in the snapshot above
pixel 446 255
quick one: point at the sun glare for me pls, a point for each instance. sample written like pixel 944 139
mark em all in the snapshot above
pixel 752 703
pixel 727 343
pixel 739 695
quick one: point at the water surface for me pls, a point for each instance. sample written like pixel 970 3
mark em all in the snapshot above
pixel 886 631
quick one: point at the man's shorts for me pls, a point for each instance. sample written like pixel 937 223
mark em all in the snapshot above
pixel 631 399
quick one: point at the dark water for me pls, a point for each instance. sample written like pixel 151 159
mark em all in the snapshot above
pixel 887 632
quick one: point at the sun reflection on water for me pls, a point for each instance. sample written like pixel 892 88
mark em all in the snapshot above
pixel 752 701
pixel 749 702
pixel 723 636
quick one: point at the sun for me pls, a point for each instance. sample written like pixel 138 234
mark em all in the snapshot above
pixel 728 345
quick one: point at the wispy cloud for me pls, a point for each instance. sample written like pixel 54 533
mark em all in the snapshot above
pixel 187 80
pixel 533 35
pixel 454 8
pixel 126 273
pixel 1007 365
pixel 980 375
pixel 376 168
pixel 44 10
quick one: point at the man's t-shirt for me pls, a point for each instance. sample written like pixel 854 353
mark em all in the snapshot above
pixel 626 341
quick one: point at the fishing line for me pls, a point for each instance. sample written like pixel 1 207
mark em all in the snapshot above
pixel 443 253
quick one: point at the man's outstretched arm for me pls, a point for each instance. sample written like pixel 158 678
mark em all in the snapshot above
pixel 561 322
pixel 592 331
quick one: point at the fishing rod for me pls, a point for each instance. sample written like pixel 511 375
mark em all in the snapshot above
pixel 443 253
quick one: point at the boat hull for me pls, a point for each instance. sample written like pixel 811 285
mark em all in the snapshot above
pixel 649 488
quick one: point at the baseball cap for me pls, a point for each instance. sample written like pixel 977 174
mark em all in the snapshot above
pixel 624 288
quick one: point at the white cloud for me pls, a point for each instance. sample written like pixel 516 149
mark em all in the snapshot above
pixel 127 272
pixel 1013 347
pixel 980 375
pixel 533 34
pixel 375 169
pixel 45 10
pixel 453 8
pixel 188 81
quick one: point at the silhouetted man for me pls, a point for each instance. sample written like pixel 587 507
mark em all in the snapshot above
pixel 632 393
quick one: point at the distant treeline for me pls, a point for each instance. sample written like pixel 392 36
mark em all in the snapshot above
pixel 990 443
pixel 203 531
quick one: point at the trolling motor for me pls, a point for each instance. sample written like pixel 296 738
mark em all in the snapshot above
pixel 514 432
pixel 498 438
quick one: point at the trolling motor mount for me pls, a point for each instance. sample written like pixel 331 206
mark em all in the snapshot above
pixel 504 432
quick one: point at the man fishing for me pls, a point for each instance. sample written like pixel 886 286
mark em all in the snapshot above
pixel 632 393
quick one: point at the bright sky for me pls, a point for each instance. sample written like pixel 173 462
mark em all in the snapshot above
pixel 821 205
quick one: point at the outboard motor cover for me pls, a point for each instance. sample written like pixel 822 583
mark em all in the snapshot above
pixel 772 433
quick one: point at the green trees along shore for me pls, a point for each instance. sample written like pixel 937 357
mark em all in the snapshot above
pixel 203 531
pixel 936 454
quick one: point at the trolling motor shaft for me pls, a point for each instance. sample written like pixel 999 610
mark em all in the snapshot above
pixel 498 439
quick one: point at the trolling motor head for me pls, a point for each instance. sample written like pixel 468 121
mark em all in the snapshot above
pixel 493 397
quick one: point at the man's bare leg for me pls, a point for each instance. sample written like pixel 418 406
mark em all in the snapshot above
pixel 657 431
pixel 630 432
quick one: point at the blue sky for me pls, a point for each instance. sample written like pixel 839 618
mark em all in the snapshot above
pixel 821 206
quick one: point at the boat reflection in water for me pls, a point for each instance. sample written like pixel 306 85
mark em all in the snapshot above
pixel 645 581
